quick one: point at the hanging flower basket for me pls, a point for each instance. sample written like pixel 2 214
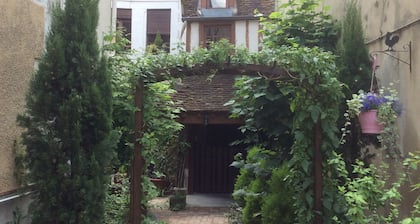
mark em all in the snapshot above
pixel 369 123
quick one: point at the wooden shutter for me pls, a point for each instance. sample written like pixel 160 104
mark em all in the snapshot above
pixel 159 21
pixel 231 3
pixel 205 4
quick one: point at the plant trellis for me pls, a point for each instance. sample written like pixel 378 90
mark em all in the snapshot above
pixel 315 104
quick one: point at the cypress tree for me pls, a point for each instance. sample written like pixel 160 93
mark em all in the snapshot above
pixel 67 121
pixel 354 62
pixel 355 72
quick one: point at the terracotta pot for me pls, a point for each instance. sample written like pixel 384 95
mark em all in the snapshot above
pixel 369 123
pixel 160 183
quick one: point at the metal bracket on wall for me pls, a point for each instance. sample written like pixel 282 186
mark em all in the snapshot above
pixel 406 48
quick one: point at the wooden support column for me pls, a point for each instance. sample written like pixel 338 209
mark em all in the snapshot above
pixel 317 163
pixel 137 212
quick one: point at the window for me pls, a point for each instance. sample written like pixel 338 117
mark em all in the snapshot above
pixel 124 22
pixel 208 4
pixel 215 32
pixel 159 28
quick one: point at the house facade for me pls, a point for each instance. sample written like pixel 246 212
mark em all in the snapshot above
pixel 24 26
pixel 208 128
pixel 211 20
pixel 143 20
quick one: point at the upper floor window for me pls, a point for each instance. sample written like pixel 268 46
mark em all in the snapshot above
pixel 159 28
pixel 124 23
pixel 208 4
pixel 212 32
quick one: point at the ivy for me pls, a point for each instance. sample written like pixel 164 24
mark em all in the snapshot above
pixel 298 23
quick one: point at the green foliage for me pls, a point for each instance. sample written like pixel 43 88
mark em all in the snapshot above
pixel 353 60
pixel 317 79
pixel 122 69
pixel 21 170
pixel 157 46
pixel 118 198
pixel 279 198
pixel 300 23
pixel 253 201
pixel 68 134
pixel 368 198
pixel 412 162
pixel 252 183
pixel 164 149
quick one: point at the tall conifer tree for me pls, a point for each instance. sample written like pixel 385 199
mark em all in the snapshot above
pixel 67 121
pixel 354 61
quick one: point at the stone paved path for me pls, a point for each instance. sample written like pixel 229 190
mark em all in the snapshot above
pixel 191 215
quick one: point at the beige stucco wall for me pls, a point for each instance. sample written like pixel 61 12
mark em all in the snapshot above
pixel 22 32
pixel 402 17
pixel 21 41
pixel 380 17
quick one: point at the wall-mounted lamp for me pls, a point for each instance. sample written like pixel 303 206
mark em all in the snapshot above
pixel 206 120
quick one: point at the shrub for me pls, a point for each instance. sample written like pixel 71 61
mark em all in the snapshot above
pixel 279 199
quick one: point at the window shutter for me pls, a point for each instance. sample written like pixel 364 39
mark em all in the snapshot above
pixel 204 4
pixel 231 3
pixel 159 21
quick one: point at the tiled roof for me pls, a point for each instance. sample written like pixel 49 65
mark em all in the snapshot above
pixel 245 7
pixel 205 93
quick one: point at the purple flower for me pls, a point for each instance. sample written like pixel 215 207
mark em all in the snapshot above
pixel 372 101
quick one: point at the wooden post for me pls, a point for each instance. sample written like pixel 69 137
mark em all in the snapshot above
pixel 137 162
pixel 317 160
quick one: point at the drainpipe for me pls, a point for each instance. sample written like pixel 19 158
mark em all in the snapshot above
pixel 14 196
pixel 113 15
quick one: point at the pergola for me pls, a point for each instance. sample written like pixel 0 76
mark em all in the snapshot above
pixel 272 71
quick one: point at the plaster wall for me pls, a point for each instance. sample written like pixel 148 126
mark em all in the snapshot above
pixel 195 36
pixel 106 19
pixel 139 20
pixel 24 26
pixel 246 34
pixel 21 41
pixel 402 18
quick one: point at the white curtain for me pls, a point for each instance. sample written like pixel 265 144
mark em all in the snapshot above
pixel 218 3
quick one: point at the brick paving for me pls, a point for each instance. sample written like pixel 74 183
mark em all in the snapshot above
pixel 191 215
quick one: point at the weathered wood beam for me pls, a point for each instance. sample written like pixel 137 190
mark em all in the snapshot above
pixel 137 213
pixel 267 71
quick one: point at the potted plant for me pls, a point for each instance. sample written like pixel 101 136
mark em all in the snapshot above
pixel 375 111
pixel 158 178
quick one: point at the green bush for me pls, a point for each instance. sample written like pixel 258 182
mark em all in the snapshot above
pixel 246 176
pixel 278 199
pixel 253 202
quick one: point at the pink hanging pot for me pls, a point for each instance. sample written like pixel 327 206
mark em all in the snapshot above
pixel 369 123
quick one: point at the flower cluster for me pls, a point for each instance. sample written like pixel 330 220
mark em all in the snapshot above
pixel 372 101
pixel 363 101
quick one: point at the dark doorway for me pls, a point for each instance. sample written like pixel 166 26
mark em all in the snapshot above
pixel 210 157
